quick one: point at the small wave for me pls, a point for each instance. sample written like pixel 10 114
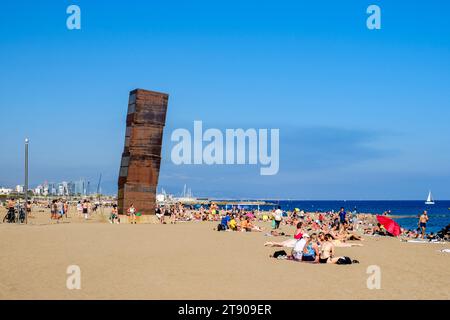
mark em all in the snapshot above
pixel 402 217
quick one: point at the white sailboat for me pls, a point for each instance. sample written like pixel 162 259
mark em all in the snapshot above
pixel 429 199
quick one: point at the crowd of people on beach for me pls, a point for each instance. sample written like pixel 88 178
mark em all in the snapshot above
pixel 58 208
pixel 316 235
pixel 338 227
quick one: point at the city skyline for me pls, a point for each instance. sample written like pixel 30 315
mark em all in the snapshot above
pixel 80 187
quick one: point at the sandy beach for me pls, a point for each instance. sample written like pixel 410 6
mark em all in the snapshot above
pixel 189 260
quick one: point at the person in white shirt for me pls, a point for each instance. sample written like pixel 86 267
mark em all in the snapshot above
pixel 132 214
pixel 278 216
pixel 297 251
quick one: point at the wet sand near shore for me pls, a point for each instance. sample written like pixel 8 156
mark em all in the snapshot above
pixel 189 260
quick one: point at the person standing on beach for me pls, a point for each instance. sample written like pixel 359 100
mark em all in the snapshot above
pixel 114 218
pixel 10 215
pixel 61 207
pixel 79 208
pixel 65 208
pixel 342 215
pixel 423 219
pixel 278 216
pixel 11 205
pixel 28 208
pixel 132 213
pixel 85 209
pixel 159 214
pixel 54 211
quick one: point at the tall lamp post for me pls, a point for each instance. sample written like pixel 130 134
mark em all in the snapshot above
pixel 26 180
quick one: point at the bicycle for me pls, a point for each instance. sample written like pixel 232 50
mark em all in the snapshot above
pixel 10 216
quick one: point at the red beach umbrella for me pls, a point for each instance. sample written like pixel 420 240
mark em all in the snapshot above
pixel 390 225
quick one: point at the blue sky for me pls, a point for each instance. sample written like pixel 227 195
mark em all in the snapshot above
pixel 363 114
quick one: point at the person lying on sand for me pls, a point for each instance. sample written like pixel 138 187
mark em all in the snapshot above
pixel 342 234
pixel 290 242
pixel 275 233
pixel 337 242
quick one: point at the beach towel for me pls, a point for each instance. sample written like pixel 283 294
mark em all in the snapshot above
pixel 424 241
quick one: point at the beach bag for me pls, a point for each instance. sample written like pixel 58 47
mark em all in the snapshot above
pixel 344 260
pixel 220 227
pixel 273 224
pixel 279 253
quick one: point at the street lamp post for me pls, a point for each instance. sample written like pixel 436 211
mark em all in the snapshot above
pixel 26 180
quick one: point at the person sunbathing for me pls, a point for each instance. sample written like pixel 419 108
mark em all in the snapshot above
pixel 376 230
pixel 327 252
pixel 275 233
pixel 311 250
pixel 344 235
pixel 297 250
pixel 246 225
pixel 255 228
pixel 340 242
pixel 290 242
pixel 352 236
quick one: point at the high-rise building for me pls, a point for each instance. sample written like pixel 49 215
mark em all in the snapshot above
pixel 39 190
pixel 71 188
pixel 79 187
pixel 52 189
pixel 45 191
pixel 60 189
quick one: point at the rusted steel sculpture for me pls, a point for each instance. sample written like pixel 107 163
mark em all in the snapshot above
pixel 141 158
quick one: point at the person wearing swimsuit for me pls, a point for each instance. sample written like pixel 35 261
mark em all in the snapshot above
pixel 423 219
pixel 85 209
pixel 327 250
pixel 311 250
